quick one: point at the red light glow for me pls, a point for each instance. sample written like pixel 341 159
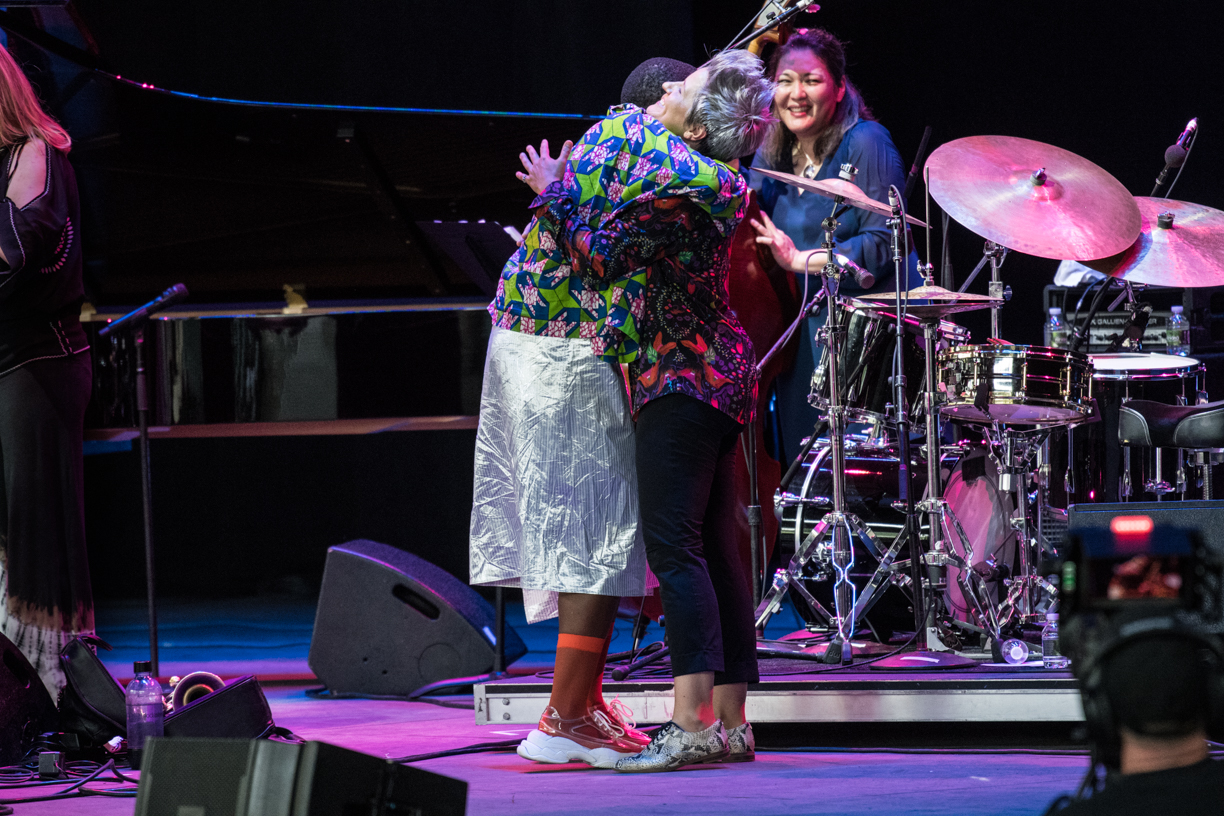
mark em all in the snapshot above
pixel 1131 525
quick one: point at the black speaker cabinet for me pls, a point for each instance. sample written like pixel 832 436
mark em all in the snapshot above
pixel 1205 516
pixel 26 709
pixel 389 622
pixel 229 777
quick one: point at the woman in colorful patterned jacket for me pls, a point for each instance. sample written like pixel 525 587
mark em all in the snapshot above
pixel 555 507
pixel 693 389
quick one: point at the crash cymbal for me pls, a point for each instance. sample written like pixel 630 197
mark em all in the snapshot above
pixel 936 301
pixel 1186 250
pixel 1033 197
pixel 837 188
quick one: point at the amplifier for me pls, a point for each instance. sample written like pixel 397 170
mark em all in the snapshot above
pixel 1204 308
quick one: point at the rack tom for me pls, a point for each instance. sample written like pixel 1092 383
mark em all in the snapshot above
pixel 865 372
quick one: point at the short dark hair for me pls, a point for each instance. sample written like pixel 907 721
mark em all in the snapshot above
pixel 1157 686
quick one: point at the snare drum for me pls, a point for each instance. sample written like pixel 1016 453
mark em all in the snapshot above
pixel 1015 385
pixel 867 361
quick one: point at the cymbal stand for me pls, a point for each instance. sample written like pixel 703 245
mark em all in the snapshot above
pixel 996 253
pixel 837 524
pixel 925 598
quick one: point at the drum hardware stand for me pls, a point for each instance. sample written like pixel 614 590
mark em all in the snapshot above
pixel 924 588
pixel 837 523
pixel 1019 450
pixel 994 254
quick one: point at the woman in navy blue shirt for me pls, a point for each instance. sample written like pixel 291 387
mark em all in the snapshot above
pixel 823 123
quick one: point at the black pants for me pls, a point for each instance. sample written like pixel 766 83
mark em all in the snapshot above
pixel 42 508
pixel 686 484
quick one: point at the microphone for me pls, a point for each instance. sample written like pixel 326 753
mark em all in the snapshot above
pixel 1131 336
pixel 1175 156
pixel 137 317
pixel 861 276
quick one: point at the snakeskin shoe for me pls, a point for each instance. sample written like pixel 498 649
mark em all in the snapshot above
pixel 672 747
pixel 741 743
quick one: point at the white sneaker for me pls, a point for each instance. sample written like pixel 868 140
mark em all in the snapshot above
pixel 593 739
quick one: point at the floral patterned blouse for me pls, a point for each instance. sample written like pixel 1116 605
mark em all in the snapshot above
pixel 692 343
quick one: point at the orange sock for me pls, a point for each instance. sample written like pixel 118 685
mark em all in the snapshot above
pixel 579 666
pixel 596 699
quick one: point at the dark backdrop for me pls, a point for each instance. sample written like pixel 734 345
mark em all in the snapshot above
pixel 243 197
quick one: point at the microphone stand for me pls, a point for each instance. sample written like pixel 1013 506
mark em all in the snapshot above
pixel 134 322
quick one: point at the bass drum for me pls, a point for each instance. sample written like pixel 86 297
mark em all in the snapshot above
pixel 985 512
pixel 872 478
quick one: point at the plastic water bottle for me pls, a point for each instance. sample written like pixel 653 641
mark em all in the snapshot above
pixel 146 710
pixel 1050 658
pixel 1015 652
pixel 1055 329
pixel 1177 333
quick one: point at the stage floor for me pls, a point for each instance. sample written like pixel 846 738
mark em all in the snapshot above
pixel 902 765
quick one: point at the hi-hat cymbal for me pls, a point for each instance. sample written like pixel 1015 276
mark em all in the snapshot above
pixel 937 301
pixel 1186 250
pixel 1033 197
pixel 851 193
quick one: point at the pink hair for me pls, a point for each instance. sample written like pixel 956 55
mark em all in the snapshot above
pixel 21 117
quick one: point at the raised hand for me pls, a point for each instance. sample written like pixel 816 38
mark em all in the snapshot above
pixel 783 248
pixel 542 169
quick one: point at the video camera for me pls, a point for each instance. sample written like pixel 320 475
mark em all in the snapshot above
pixel 1132 581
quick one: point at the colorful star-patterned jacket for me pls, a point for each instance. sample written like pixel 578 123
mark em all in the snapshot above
pixel 626 159
pixel 692 343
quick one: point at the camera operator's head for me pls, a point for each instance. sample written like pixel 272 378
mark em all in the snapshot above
pixel 1156 689
pixel 1143 604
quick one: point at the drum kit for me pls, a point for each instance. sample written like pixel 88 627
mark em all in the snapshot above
pixel 964 546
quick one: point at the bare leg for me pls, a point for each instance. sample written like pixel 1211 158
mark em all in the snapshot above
pixel 587 615
pixel 729 702
pixel 694 695
pixel 584 621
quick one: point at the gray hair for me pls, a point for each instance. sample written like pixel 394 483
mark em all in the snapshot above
pixel 734 106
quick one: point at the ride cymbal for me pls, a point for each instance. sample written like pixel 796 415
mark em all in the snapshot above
pixel 1180 244
pixel 1033 197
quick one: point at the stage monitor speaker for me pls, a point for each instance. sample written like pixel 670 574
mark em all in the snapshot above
pixel 229 777
pixel 26 709
pixel 1207 517
pixel 389 622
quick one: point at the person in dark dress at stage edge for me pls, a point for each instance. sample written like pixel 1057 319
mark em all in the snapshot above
pixel 45 380
pixel 823 123
pixel 693 390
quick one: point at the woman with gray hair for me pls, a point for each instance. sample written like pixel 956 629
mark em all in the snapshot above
pixel 693 390
pixel 555 502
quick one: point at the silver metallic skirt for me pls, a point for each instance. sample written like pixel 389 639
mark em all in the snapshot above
pixel 554 504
